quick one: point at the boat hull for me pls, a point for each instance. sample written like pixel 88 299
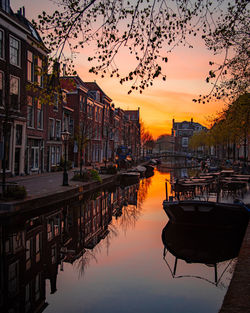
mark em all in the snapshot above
pixel 206 214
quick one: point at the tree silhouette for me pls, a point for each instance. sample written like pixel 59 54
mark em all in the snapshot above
pixel 148 30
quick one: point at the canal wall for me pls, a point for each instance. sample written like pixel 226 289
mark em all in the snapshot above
pixel 53 194
pixel 237 298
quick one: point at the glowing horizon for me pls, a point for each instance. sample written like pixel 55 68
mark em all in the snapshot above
pixel 186 73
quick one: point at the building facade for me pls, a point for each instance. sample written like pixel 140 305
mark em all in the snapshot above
pixel 31 128
pixel 182 132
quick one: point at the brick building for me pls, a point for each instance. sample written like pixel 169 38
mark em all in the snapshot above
pixel 33 129
pixel 22 58
pixel 181 133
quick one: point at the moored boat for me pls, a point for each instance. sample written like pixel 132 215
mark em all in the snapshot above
pixel 129 178
pixel 206 213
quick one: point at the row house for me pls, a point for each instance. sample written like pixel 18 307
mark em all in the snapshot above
pixel 102 145
pixel 182 132
pixel 21 50
pixel 31 128
pixel 33 141
pixel 134 132
pixel 93 121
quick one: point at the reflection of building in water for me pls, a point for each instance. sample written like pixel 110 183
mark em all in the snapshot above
pixel 29 255
pixel 32 247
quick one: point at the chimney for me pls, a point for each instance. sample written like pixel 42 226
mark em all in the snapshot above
pixel 23 11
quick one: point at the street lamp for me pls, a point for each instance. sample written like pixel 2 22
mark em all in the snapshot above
pixel 65 138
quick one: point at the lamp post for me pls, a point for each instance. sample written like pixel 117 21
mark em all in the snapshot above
pixel 65 138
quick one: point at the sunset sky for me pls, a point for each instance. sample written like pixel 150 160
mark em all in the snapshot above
pixel 186 72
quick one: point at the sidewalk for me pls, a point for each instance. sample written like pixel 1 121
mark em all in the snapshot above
pixel 39 184
pixel 46 189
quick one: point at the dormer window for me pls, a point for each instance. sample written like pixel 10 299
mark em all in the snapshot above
pixel 5 4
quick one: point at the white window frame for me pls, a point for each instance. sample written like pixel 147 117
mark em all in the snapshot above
pixel 52 134
pixel 18 61
pixel 35 150
pixel 53 155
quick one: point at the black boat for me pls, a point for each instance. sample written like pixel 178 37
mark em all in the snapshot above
pixel 205 246
pixel 206 213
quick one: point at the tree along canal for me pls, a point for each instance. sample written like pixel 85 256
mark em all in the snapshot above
pixel 108 253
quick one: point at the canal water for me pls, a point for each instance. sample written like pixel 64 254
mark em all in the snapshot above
pixel 105 252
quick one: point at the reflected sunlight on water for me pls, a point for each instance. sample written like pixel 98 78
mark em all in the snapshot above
pixel 106 254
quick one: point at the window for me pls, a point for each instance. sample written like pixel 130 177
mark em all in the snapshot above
pixel 27 297
pixel 38 247
pixel 30 66
pixel 56 100
pixel 37 287
pixel 13 278
pixel 53 155
pixel 58 130
pixel 184 142
pixel 30 112
pixel 51 128
pixel 1 44
pixel 50 227
pixel 35 158
pixel 1 89
pixel 19 133
pixel 81 103
pixel 39 72
pixel 6 5
pixel 28 254
pixel 98 96
pixel 15 51
pixel 39 115
pixel 14 92
pixel 58 155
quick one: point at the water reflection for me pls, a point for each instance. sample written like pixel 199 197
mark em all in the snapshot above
pixel 216 249
pixel 34 247
pixel 103 253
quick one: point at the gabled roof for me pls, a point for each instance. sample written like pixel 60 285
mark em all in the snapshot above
pixel 94 87
pixel 20 20
pixel 72 83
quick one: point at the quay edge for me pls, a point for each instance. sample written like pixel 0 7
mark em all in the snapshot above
pixel 237 298
pixel 32 203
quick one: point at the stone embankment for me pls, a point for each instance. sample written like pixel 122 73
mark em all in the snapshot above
pixel 46 189
pixel 237 299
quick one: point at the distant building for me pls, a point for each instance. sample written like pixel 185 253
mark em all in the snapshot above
pixel 164 144
pixel 182 132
